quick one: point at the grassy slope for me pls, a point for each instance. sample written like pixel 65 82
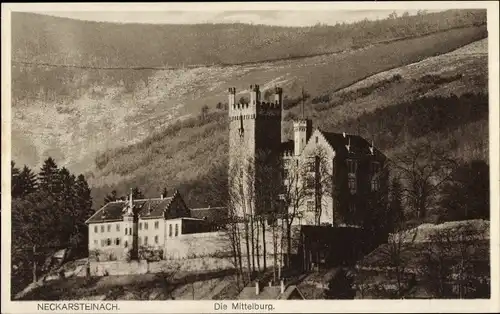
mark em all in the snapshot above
pixel 72 114
pixel 186 157
pixel 50 39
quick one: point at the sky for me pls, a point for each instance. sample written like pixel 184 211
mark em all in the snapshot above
pixel 268 17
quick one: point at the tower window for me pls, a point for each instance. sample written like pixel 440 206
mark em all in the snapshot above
pixel 117 227
pixel 96 230
pixel 170 230
pixel 117 241
pixel 146 240
pixel 126 231
pixel 108 241
pixel 375 184
pixel 126 244
pixel 310 206
pixel 102 228
pixel 157 224
pixel 156 239
pixel 309 182
pixel 109 228
pixel 140 226
pixel 176 230
pixel 146 226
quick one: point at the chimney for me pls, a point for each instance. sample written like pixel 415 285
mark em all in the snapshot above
pixel 282 286
pixel 257 288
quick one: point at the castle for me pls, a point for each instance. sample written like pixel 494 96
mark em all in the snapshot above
pixel 317 179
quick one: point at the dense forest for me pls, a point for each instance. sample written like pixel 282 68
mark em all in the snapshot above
pixel 49 209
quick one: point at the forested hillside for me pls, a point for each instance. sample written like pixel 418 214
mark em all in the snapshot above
pixel 443 100
pixel 73 113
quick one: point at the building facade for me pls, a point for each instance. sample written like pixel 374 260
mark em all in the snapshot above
pixel 130 229
pixel 318 178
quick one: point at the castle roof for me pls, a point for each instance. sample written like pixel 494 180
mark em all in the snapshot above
pixel 338 141
pixel 210 214
pixel 144 208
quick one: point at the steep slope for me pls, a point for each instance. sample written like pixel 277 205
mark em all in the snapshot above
pixel 91 112
pixel 191 155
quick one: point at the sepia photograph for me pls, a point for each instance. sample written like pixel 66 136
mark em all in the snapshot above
pixel 247 154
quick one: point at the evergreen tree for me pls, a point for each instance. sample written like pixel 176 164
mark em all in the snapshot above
pixel 15 181
pixel 49 177
pixel 83 211
pixel 28 181
pixel 83 195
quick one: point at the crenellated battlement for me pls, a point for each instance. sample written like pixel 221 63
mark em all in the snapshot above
pixel 255 108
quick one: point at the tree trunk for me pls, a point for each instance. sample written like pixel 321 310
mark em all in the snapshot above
pixel 257 246
pixel 252 236
pixel 288 245
pixel 34 263
pixel 247 240
pixel 275 254
pixel 264 249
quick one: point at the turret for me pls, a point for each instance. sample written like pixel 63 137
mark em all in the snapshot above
pixel 232 96
pixel 254 94
pixel 278 95
pixel 302 130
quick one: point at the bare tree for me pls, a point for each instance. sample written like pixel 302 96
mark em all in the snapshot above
pixel 423 169
pixel 450 259
pixel 397 253
pixel 294 196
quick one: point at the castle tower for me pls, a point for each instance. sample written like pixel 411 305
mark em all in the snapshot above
pixel 302 130
pixel 254 156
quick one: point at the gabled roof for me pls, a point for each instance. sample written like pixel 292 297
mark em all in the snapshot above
pixel 211 214
pixel 338 141
pixel 144 208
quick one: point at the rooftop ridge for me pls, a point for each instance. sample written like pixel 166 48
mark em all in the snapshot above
pixel 200 208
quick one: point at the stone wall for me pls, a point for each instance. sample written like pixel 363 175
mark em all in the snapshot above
pixel 113 268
